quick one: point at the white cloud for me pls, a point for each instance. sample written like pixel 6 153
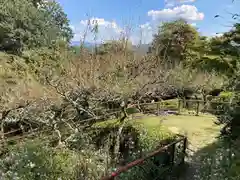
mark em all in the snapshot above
pixel 109 30
pixel 171 3
pixel 143 34
pixel 185 1
pixel 187 12
pixel 106 30
pixel 100 22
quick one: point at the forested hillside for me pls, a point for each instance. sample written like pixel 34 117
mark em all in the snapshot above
pixel 50 88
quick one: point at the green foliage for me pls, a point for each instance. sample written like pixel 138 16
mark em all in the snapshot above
pixel 219 105
pixel 222 52
pixel 213 63
pixel 132 110
pixel 147 136
pixel 138 138
pixel 36 160
pixel 40 31
pixel 25 26
pixel 226 106
pixel 226 95
pixel 46 62
pixel 172 41
pixel 220 160
pixel 169 104
pixel 120 46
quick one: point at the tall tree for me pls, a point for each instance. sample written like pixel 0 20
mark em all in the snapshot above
pixel 24 25
pixel 173 39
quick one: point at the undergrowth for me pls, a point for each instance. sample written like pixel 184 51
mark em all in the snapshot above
pixel 86 155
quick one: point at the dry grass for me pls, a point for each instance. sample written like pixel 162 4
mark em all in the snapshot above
pixel 17 84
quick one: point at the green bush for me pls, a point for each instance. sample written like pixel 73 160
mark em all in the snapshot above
pixel 219 105
pixel 138 138
pixel 227 108
pixel 132 110
pixel 170 104
pixel 147 136
pixel 220 160
pixel 46 62
pixel 37 161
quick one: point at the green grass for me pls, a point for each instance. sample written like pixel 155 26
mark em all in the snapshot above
pixel 147 123
pixel 215 158
pixel 192 123
pixel 200 130
pixel 197 128
pixel 150 131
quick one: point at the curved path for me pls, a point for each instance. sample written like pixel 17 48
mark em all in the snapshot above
pixel 201 132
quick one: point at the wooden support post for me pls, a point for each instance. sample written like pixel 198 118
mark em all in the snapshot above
pixel 179 106
pixel 158 108
pixel 173 154
pixel 197 110
pixel 2 132
pixel 184 150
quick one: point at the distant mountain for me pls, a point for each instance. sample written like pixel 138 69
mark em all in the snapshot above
pixel 86 44
pixel 140 49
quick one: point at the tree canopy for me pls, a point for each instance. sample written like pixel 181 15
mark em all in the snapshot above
pixel 28 24
pixel 173 39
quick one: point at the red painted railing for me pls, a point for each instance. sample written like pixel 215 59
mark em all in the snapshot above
pixel 141 161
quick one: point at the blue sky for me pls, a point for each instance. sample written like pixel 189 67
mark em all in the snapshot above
pixel 142 17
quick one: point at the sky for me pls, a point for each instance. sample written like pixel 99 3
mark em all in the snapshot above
pixel 139 19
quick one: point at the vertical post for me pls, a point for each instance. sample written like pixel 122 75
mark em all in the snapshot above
pixel 2 131
pixel 172 154
pixel 184 150
pixel 158 108
pixel 179 106
pixel 197 110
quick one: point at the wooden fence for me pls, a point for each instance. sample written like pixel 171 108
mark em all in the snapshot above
pixel 159 163
pixel 177 107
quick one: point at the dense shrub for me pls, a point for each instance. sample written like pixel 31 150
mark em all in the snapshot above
pixel 170 104
pixel 227 108
pixel 220 160
pixel 219 104
pixel 86 155
pixel 146 138
pixel 35 160
pixel 137 140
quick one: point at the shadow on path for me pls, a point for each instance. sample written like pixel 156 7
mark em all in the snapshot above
pixel 219 160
